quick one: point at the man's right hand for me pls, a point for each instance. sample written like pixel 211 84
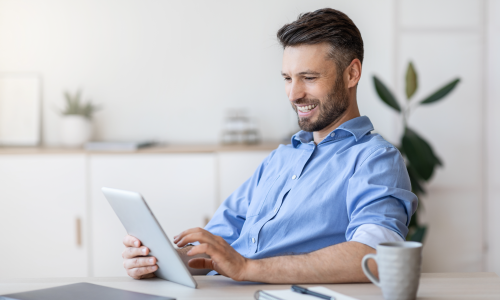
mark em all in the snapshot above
pixel 136 264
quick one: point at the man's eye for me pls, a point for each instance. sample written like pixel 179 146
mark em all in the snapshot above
pixel 287 78
pixel 310 78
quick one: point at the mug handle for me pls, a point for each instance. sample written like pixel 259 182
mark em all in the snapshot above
pixel 366 270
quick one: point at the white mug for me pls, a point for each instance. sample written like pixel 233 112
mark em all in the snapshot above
pixel 399 265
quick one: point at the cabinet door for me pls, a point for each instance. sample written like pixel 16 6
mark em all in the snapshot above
pixel 179 188
pixel 42 216
pixel 235 168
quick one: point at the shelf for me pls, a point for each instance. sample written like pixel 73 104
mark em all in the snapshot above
pixel 268 146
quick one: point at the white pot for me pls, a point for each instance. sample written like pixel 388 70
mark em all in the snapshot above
pixel 75 131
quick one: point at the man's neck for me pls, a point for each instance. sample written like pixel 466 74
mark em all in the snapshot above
pixel 322 134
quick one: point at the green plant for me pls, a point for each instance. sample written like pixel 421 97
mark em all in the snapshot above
pixel 74 106
pixel 420 158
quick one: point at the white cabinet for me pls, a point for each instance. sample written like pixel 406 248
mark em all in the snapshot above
pixel 179 188
pixel 42 216
pixel 235 168
pixel 55 222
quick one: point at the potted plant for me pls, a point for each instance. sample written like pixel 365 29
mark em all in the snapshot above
pixel 420 158
pixel 76 126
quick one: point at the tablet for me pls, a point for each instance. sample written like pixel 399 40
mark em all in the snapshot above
pixel 139 221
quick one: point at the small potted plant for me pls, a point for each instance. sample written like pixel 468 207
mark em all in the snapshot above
pixel 76 126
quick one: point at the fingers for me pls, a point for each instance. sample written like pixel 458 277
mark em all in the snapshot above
pixel 138 273
pixel 139 262
pixel 195 235
pixel 137 266
pixel 201 263
pixel 150 275
pixel 202 248
pixel 131 241
pixel 134 252
pixel 186 232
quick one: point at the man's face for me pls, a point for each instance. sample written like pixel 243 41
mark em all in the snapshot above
pixel 317 94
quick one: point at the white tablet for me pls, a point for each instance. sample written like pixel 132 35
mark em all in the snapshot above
pixel 139 221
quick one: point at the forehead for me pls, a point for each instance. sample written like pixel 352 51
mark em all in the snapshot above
pixel 296 59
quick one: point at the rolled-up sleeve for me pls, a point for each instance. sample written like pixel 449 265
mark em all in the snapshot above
pixel 379 193
pixel 229 218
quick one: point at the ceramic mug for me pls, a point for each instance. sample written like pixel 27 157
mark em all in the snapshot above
pixel 399 265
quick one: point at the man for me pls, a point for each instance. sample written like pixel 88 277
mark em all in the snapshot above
pixel 313 208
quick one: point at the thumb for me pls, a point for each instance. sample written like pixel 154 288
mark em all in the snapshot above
pixel 201 263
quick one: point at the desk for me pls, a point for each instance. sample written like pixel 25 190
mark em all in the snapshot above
pixel 440 286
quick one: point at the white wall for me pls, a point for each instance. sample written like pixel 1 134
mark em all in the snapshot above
pixel 444 40
pixel 169 70
pixel 491 136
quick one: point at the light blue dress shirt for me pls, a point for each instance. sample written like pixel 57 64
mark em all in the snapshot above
pixel 304 197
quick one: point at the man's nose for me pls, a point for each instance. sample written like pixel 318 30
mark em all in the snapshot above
pixel 296 91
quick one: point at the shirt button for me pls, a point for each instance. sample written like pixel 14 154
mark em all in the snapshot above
pixel 253 240
pixel 294 176
pixel 333 134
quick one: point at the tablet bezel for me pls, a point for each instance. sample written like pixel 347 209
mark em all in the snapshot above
pixel 140 222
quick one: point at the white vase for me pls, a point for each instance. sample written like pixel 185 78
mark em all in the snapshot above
pixel 75 131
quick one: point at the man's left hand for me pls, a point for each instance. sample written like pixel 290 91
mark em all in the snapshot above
pixel 223 258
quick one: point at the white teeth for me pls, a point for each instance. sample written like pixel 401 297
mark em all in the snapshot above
pixel 306 108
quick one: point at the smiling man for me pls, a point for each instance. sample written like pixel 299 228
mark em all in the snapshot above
pixel 315 207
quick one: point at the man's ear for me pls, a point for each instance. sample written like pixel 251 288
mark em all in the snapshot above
pixel 353 73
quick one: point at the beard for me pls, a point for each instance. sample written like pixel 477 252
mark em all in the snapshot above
pixel 330 111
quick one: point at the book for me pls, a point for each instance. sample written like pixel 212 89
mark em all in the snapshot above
pixel 81 291
pixel 117 146
pixel 291 295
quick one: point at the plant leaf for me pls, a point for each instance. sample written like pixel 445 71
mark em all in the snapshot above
pixel 67 96
pixel 416 187
pixel 385 94
pixel 411 81
pixel 412 226
pixel 419 154
pixel 418 235
pixel 441 93
pixel 75 105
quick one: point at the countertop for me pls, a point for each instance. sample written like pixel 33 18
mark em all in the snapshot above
pixel 442 286
pixel 268 146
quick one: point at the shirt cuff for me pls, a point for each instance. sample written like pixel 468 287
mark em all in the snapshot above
pixel 372 235
pixel 212 273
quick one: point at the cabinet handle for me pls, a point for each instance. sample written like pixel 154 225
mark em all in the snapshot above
pixel 78 232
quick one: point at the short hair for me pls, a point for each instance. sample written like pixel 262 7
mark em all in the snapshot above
pixel 329 26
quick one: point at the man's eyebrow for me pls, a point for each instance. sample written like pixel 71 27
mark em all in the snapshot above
pixel 306 72
pixel 309 72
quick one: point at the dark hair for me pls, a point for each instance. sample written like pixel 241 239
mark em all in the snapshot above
pixel 325 25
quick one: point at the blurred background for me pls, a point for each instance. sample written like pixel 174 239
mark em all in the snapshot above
pixel 183 74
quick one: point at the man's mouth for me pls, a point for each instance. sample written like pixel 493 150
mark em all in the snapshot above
pixel 306 108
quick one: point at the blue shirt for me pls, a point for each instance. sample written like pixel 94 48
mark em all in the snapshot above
pixel 304 197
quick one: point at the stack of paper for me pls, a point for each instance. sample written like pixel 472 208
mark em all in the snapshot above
pixel 290 295
pixel 117 146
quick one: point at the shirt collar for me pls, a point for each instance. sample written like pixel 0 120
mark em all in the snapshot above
pixel 358 127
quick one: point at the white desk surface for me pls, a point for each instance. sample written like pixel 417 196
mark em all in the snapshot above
pixel 440 286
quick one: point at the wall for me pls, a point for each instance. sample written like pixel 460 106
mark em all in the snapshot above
pixel 161 69
pixel 491 137
pixel 444 39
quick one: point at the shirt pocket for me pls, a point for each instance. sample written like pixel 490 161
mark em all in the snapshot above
pixel 259 198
